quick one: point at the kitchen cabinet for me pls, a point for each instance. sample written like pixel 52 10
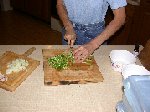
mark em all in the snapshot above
pixel 33 7
pixel 18 4
pixel 144 32
pixel 136 28
pixel 140 31
pixel 37 8
pixel 46 10
pixel 54 9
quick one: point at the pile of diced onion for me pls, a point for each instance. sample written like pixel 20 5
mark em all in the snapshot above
pixel 17 66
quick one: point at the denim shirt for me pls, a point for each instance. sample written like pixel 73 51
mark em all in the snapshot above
pixel 90 11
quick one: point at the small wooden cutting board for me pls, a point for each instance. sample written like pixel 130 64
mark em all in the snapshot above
pixel 15 79
pixel 78 73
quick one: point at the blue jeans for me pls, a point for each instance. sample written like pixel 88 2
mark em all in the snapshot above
pixel 85 33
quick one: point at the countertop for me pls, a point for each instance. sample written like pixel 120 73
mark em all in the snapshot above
pixel 33 96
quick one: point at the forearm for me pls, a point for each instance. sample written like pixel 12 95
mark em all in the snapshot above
pixel 62 12
pixel 110 29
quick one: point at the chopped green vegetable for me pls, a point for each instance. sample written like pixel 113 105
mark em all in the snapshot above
pixel 62 61
pixel 89 60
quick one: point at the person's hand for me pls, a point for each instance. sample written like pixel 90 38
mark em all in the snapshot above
pixel 82 52
pixel 70 36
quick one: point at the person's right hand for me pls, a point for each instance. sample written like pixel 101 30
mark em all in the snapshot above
pixel 70 36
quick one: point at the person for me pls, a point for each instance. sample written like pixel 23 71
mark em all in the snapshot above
pixel 84 23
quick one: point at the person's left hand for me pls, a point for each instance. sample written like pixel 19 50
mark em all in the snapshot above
pixel 82 52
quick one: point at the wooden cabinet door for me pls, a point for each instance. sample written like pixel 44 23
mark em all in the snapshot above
pixel 135 27
pixel 33 7
pixel 18 4
pixel 144 32
pixel 140 31
pixel 46 10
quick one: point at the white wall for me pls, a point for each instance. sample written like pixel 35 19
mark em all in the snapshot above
pixel 55 24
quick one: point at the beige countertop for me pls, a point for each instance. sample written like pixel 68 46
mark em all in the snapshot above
pixel 33 96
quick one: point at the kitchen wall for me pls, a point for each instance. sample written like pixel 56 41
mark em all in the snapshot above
pixel 55 24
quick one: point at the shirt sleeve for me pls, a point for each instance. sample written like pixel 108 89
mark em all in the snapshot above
pixel 115 4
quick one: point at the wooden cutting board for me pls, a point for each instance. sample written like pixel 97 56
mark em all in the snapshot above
pixel 15 79
pixel 78 73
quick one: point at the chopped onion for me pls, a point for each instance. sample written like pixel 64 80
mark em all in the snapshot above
pixel 16 66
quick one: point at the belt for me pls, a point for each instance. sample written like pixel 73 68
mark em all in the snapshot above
pixel 87 26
